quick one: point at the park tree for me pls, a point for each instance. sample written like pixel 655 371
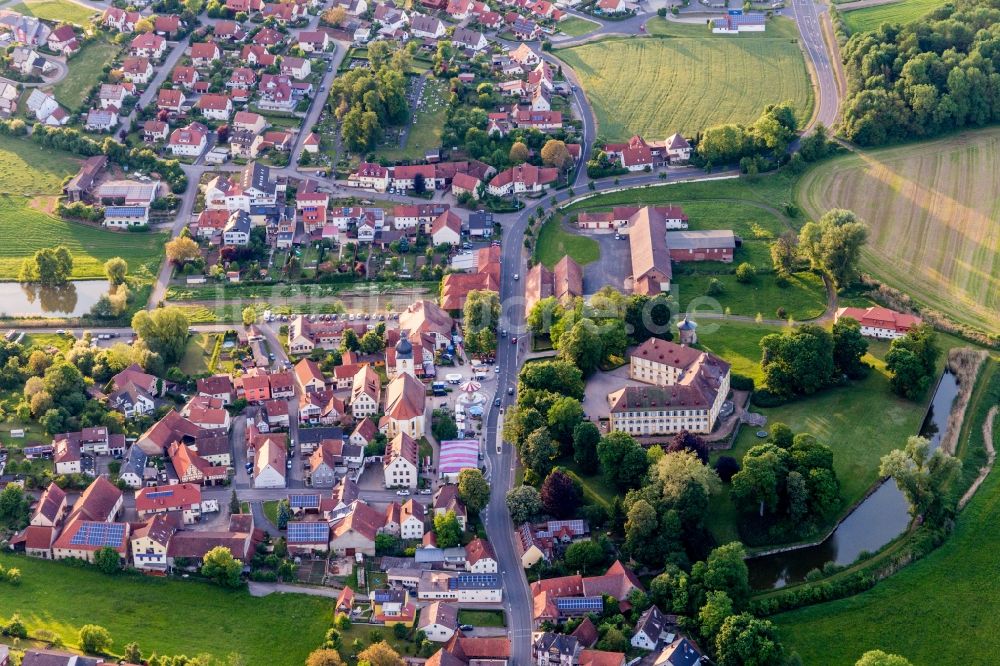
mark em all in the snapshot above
pixel 912 360
pixel 564 415
pixel 116 269
pixel 784 253
pixel 182 250
pixel 718 606
pixel 797 362
pixel 555 154
pixel 519 422
pixel 481 312
pixel 849 346
pixel 744 640
pixel 473 489
pixel 558 376
pixel 833 244
pixel 94 639
pixel 165 331
pixel 757 486
pixel 544 314
pixel 561 494
pixel 447 530
pixel 249 315
pixel 689 441
pixel 587 557
pixel 922 476
pixel 48 266
pixel 324 656
pixel 518 153
pixel 726 467
pixel 538 451
pixel 586 436
pixel 582 346
pixel 647 316
pixel 524 503
pixel 781 435
pixel 107 560
pixel 880 658
pixel 725 570
pixel 623 461
pixel 219 566
pixel 380 654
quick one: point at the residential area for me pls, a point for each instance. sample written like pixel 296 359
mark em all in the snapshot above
pixel 469 333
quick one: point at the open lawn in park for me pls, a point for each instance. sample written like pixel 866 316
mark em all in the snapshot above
pixel 554 243
pixel 865 19
pixel 60 598
pixel 685 79
pixel 30 179
pixel 948 596
pixel 62 11
pixel 85 69
pixel 861 422
pixel 932 208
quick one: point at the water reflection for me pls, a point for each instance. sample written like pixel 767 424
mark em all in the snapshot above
pixel 879 519
pixel 33 300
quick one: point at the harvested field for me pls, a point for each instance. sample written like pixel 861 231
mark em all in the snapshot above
pixel 932 209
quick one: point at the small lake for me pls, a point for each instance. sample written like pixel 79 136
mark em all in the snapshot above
pixel 879 519
pixel 31 300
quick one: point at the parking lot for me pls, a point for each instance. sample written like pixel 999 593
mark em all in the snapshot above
pixel 613 266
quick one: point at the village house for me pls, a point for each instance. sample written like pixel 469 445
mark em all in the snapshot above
pixel 400 463
pixel 269 465
pixel 182 499
pixel 148 45
pixel 439 621
pixel 215 107
pixel 150 542
pixel 522 178
pixel 564 282
pixel 879 322
pixel 356 531
pixel 170 100
pixel 188 141
pixel 405 406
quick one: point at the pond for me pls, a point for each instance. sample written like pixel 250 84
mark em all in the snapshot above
pixel 879 519
pixel 31 300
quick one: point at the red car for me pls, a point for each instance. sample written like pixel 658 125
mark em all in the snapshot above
pixel 513 340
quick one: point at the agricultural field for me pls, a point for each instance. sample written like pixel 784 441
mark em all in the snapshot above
pixel 56 10
pixel 30 178
pixel 144 610
pixel 865 19
pixel 710 80
pixel 85 70
pixel 932 210
pixel 426 125
pixel 954 587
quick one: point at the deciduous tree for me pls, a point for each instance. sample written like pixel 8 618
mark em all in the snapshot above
pixel 561 494
pixel 524 504
pixel 473 489
pixel 165 331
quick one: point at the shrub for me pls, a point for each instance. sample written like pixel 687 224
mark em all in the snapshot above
pixel 781 312
pixel 726 467
pixel 745 273
pixel 764 398
pixel 715 288
pixel 741 382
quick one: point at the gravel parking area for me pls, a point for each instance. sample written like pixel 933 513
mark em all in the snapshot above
pixel 614 265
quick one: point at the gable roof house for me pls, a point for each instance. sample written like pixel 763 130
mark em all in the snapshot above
pixel 400 463
pixel 356 531
pixel 405 405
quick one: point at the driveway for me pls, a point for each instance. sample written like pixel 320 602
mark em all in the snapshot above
pixel 595 399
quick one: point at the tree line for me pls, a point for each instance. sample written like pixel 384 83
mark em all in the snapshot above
pixel 935 75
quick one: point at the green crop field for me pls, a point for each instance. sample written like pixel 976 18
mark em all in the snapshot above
pixel 29 177
pixel 62 11
pixel 865 19
pixel 61 598
pixel 85 69
pixel 932 209
pixel 955 588
pixel 686 79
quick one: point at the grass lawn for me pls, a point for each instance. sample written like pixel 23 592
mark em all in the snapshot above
pixel 955 587
pixel 866 19
pixel 365 633
pixel 85 69
pixel 145 610
pixel 425 133
pixel 933 233
pixel 197 354
pixel 554 243
pixel 271 511
pixel 62 11
pixel 43 340
pixel 30 176
pixel 595 489
pixel 861 422
pixel 575 26
pixel 708 80
pixel 482 618
pixel 803 298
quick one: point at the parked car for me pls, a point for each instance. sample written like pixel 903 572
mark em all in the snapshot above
pixel 496 402
pixel 403 493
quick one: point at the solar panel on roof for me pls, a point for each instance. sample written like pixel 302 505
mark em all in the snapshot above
pixel 312 532
pixel 304 501
pixel 580 603
pixel 160 493
pixel 98 534
pixel 37 450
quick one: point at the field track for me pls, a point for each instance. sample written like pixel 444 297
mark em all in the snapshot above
pixel 933 209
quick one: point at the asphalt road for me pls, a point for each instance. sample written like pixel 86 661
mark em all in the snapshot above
pixel 807 15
